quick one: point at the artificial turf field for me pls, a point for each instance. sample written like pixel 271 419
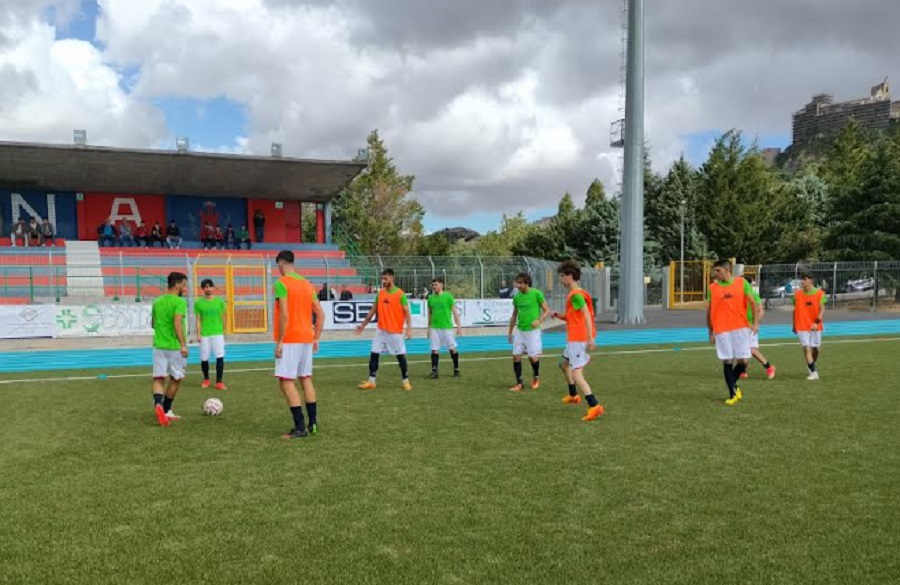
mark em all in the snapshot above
pixel 461 481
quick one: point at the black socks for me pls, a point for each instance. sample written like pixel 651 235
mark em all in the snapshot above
pixel 517 368
pixel 297 413
pixel 373 364
pixel 220 369
pixel 572 390
pixel 404 367
pixel 204 367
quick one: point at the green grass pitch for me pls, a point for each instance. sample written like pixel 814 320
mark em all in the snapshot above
pixel 461 481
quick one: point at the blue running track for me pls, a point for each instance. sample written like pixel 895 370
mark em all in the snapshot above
pixel 11 362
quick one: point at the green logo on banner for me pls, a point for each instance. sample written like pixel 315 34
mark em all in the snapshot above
pixel 66 319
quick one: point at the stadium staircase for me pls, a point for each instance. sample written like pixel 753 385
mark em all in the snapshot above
pixel 84 275
pixel 82 271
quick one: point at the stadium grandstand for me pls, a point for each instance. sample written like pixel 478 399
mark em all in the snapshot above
pixel 77 189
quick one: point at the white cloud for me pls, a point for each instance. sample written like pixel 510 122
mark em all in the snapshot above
pixel 51 87
pixel 494 106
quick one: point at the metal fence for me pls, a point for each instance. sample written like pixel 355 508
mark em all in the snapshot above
pixel 470 277
pixel 867 286
pixel 41 276
pixel 870 286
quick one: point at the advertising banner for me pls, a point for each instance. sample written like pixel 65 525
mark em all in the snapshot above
pixel 485 312
pixel 27 321
pixel 112 320
pixel 350 314
pixel 59 208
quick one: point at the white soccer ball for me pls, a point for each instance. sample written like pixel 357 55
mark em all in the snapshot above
pixel 213 407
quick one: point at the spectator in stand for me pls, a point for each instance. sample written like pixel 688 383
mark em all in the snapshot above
pixel 230 238
pixel 155 236
pixel 346 295
pixel 48 236
pixel 243 237
pixel 34 232
pixel 142 236
pixel 259 222
pixel 20 232
pixel 106 234
pixel 220 237
pixel 208 236
pixel 324 294
pixel 125 238
pixel 173 235
pixel 505 291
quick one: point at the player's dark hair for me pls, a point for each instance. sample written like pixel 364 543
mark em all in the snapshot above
pixel 438 279
pixel 285 256
pixel 723 264
pixel 206 282
pixel 387 272
pixel 570 268
pixel 176 278
pixel 807 275
pixel 524 278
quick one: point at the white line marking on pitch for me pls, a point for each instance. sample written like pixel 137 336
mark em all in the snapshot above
pixel 475 359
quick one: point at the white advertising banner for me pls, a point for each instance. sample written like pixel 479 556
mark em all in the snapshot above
pixel 472 312
pixel 27 321
pixel 485 312
pixel 107 320
pixel 350 314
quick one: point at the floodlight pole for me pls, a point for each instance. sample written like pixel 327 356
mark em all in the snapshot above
pixel 631 270
pixel 681 264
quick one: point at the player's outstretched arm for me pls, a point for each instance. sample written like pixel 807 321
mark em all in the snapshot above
pixel 179 332
pixel 591 331
pixel 282 326
pixel 368 318
pixel 545 314
pixel 319 313
pixel 408 315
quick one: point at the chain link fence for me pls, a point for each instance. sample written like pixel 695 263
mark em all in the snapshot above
pixel 861 286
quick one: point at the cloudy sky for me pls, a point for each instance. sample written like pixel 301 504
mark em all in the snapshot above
pixel 495 105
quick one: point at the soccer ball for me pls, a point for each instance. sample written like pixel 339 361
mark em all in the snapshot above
pixel 213 407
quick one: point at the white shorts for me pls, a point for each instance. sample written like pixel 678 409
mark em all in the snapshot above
pixel 527 342
pixel 443 338
pixel 168 362
pixel 392 343
pixel 810 338
pixel 734 345
pixel 754 340
pixel 214 344
pixel 296 361
pixel 576 354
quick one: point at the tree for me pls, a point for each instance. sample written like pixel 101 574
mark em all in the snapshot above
pixel 434 245
pixel 598 227
pixel 676 194
pixel 741 203
pixel 376 210
pixel 513 231
pixel 867 209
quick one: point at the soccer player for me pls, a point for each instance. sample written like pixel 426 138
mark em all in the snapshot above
pixel 530 310
pixel 210 314
pixel 580 336
pixel 809 310
pixel 754 337
pixel 729 327
pixel 296 340
pixel 442 313
pixel 392 309
pixel 170 350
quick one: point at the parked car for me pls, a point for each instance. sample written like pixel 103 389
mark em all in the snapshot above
pixel 786 289
pixel 860 284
